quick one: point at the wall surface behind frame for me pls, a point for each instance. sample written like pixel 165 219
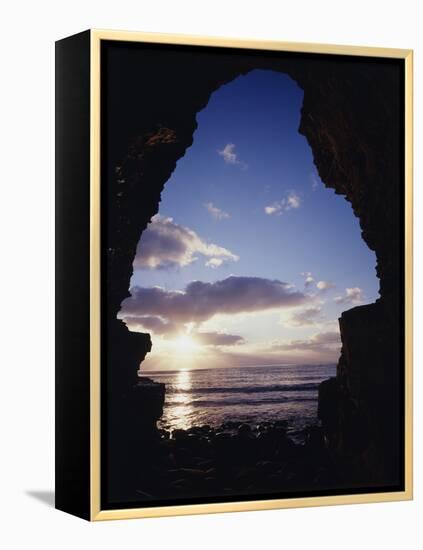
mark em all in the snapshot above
pixel 27 291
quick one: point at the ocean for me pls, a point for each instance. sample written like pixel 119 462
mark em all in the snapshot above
pixel 249 394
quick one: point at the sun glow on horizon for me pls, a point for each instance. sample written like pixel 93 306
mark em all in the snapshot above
pixel 181 353
pixel 185 344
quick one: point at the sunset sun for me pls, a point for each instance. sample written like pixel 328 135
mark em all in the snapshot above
pixel 185 344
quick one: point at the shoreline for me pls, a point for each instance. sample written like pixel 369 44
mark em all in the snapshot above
pixel 234 459
pixel 294 428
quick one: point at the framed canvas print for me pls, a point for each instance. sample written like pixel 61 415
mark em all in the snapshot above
pixel 233 274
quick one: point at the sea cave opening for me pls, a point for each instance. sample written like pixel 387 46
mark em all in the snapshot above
pixel 242 274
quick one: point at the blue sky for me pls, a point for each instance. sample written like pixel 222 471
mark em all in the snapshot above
pixel 245 206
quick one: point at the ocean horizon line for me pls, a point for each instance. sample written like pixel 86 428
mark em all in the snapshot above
pixel 234 367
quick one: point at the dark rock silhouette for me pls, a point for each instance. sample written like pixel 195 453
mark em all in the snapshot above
pixel 351 117
pixel 203 462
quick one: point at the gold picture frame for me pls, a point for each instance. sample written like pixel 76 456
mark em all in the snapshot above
pixel 95 511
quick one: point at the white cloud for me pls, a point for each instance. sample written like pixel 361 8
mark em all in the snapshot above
pixel 217 338
pixel 214 262
pixel 150 323
pixel 321 285
pixel 325 285
pixel 352 296
pixel 320 342
pixel 271 209
pixel 305 317
pixel 229 155
pixel 291 201
pixel 216 212
pixel 166 244
pixel 309 279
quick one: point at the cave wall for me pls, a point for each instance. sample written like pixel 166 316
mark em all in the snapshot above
pixel 351 117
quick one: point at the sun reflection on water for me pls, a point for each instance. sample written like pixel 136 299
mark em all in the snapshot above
pixel 182 408
pixel 183 380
